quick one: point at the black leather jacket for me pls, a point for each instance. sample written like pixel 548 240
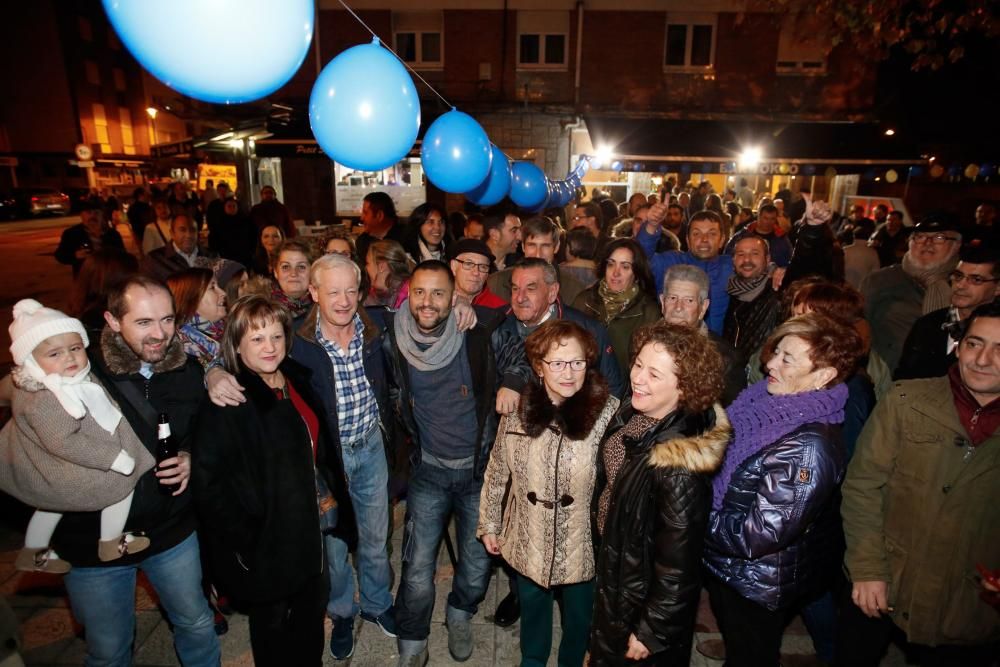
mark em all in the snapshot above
pixel 648 571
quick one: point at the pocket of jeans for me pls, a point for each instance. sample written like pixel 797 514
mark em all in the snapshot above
pixel 407 552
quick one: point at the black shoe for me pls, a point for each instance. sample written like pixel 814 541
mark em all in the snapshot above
pixel 508 611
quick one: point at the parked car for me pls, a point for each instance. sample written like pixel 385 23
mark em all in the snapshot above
pixel 36 201
pixel 8 206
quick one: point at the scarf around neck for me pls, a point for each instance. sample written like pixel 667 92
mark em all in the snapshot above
pixel 615 303
pixel 427 352
pixel 78 395
pixel 937 291
pixel 201 338
pixel 748 289
pixel 760 418
pixel 297 307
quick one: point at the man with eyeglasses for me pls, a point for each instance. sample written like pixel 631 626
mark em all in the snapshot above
pixel 930 347
pixel 896 296
pixel 471 261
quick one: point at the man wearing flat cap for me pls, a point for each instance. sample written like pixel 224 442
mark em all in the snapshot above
pixel 471 261
pixel 896 296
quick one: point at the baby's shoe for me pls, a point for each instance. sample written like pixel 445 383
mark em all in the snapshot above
pixel 41 560
pixel 117 547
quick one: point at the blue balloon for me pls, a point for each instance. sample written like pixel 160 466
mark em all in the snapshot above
pixel 986 170
pixel 559 196
pixel 456 153
pixel 364 110
pixel 497 183
pixel 529 187
pixel 223 51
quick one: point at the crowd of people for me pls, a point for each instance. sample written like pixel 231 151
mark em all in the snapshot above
pixel 620 405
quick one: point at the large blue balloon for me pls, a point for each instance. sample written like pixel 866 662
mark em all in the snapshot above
pixel 222 51
pixel 456 153
pixel 497 183
pixel 364 108
pixel 529 187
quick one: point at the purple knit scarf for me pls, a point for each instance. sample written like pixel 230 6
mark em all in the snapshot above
pixel 758 419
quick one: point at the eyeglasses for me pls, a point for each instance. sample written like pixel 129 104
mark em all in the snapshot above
pixel 469 265
pixel 559 365
pixel 972 278
pixel 936 239
pixel 565 501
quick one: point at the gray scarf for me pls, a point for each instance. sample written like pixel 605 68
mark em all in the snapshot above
pixel 427 352
pixel 937 290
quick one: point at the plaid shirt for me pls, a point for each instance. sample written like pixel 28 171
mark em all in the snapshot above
pixel 357 410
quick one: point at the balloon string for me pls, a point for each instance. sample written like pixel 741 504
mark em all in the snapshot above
pixel 407 66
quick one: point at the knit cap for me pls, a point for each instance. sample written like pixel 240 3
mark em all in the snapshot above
pixel 33 323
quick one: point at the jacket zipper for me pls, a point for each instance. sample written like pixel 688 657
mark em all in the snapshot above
pixel 970 449
pixel 556 502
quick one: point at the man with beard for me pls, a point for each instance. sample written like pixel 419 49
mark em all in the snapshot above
pixel 897 295
pixel 929 349
pixel 142 365
pixel 705 240
pixel 754 304
pixel 443 388
pixel 91 234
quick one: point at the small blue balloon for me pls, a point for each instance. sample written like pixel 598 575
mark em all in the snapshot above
pixel 529 187
pixel 497 183
pixel 456 153
pixel 364 110
pixel 986 169
pixel 560 194
pixel 223 51
pixel 955 170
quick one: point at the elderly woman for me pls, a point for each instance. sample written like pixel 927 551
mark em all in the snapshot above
pixel 774 540
pixel 291 271
pixel 388 268
pixel 547 453
pixel 653 496
pixel 268 484
pixel 624 296
pixel 200 309
pixel 427 233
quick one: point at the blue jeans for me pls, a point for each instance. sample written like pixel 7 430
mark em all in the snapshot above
pixel 368 482
pixel 103 601
pixel 433 495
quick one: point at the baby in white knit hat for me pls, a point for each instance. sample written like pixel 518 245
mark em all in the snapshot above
pixel 66 448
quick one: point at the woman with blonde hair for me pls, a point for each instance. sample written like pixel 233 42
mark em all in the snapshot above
pixel 388 268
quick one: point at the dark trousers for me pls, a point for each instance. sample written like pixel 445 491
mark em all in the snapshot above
pixel 290 631
pixel 862 642
pixel 752 633
pixel 576 604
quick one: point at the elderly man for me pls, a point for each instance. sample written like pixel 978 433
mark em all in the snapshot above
pixel 929 349
pixel 92 233
pixel 754 304
pixel 897 295
pixel 181 253
pixel 540 241
pixel 142 365
pixel 470 261
pixel 920 513
pixel 685 301
pixel 705 240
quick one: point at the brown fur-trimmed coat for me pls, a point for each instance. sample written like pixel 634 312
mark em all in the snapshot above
pixel 550 451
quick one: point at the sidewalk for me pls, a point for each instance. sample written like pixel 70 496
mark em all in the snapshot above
pixel 50 636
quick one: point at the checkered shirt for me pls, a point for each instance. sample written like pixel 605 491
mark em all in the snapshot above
pixel 357 409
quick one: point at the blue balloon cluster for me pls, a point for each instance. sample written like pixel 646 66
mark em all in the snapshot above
pixel 497 183
pixel 456 153
pixel 212 51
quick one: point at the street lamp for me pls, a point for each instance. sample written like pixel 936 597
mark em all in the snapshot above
pixel 152 111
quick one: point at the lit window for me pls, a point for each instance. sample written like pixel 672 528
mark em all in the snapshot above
pixel 101 128
pixel 690 43
pixel 128 137
pixel 542 39
pixel 419 38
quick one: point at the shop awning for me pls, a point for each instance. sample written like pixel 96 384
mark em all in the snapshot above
pixel 715 146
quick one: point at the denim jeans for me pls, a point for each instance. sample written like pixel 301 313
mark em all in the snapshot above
pixel 368 482
pixel 103 601
pixel 434 494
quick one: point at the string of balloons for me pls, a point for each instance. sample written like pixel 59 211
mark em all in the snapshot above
pixel 364 110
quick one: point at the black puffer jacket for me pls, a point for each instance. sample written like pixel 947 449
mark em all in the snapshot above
pixel 648 572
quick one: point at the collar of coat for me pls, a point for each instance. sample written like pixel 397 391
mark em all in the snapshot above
pixel 574 417
pixel 121 360
pixel 701 451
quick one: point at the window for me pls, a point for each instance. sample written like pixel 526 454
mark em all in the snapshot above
pixel 419 39
pixel 101 128
pixel 542 40
pixel 86 34
pixel 690 42
pixel 802 45
pixel 93 74
pixel 128 138
pixel 119 75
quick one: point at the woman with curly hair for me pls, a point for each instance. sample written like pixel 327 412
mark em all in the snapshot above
pixel 624 296
pixel 774 542
pixel 543 464
pixel 652 498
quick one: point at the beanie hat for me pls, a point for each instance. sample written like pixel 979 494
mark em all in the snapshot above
pixel 225 270
pixel 33 323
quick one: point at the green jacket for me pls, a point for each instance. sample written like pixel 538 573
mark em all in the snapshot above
pixel 642 310
pixel 921 508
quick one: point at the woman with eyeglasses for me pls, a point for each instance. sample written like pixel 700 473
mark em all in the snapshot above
pixel 653 496
pixel 547 453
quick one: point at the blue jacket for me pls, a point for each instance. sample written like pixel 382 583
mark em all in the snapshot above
pixel 719 269
pixel 310 353
pixel 777 536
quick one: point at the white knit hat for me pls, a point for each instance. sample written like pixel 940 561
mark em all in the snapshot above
pixel 33 323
